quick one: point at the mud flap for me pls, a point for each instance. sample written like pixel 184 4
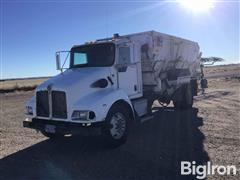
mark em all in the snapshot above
pixel 194 87
pixel 204 83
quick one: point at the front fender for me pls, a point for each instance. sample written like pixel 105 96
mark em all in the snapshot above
pixel 100 102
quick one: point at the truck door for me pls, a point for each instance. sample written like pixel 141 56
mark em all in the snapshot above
pixel 127 70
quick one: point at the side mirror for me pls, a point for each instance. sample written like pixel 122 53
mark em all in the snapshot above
pixel 58 61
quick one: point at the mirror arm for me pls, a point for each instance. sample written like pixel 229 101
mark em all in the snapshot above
pixel 58 63
pixel 65 60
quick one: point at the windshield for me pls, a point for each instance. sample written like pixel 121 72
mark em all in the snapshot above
pixel 92 55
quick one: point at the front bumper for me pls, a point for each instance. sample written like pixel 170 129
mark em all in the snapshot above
pixel 64 127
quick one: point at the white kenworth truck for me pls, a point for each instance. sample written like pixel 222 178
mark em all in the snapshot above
pixel 111 84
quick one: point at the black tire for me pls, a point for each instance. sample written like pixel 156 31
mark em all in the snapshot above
pixel 52 135
pixel 186 101
pixel 116 111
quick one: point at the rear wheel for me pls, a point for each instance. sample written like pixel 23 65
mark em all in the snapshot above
pixel 186 101
pixel 117 125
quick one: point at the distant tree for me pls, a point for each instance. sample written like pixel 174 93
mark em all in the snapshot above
pixel 211 60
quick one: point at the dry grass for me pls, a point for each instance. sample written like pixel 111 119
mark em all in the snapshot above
pixel 222 69
pixel 20 84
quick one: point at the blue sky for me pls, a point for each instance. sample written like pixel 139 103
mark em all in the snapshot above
pixel 31 31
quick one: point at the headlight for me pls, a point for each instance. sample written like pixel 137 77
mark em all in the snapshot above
pixel 29 110
pixel 82 115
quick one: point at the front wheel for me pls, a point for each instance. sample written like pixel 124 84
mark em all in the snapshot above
pixel 117 125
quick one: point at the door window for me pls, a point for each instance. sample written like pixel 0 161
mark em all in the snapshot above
pixel 124 56
pixel 80 58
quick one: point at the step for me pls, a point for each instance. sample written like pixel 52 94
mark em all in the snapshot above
pixel 146 118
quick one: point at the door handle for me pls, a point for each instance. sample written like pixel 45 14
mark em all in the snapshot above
pixel 121 68
pixel 135 87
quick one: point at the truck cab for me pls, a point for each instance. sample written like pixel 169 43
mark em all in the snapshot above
pixel 95 91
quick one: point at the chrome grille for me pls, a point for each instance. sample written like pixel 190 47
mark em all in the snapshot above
pixel 58 104
pixel 42 104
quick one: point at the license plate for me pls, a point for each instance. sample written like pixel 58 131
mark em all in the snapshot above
pixel 50 128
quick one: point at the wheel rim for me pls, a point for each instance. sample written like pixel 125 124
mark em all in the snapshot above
pixel 118 122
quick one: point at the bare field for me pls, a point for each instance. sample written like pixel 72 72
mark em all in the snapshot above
pixel 233 68
pixel 8 84
pixel 208 132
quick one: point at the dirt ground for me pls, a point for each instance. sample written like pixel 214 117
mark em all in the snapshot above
pixel 208 132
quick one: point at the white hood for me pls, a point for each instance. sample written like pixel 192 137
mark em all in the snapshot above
pixel 76 82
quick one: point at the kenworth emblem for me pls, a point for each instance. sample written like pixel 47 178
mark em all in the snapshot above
pixel 49 87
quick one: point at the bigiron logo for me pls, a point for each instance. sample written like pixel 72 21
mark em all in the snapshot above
pixel 201 171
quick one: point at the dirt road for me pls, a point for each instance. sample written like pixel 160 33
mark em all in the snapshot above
pixel 208 132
